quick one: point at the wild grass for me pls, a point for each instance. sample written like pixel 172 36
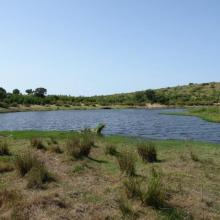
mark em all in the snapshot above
pixel 8 198
pixel 133 188
pixel 194 157
pixel 156 193
pixel 55 149
pixel 147 152
pixel 126 161
pixel 126 208
pixel 4 150
pixel 79 146
pixel 5 167
pixel 38 176
pixel 24 162
pixel 111 150
pixel 37 143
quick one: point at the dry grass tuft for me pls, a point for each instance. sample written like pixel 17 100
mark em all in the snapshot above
pixel 5 167
pixel 38 176
pixel 126 161
pixel 56 149
pixel 24 162
pixel 37 143
pixel 132 187
pixel 156 194
pixel 126 208
pixel 4 148
pixel 111 150
pixel 147 152
pixel 80 146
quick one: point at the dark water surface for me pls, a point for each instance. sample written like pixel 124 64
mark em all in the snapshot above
pixel 136 122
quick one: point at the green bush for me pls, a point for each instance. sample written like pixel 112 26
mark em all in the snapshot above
pixel 155 195
pixel 25 162
pixel 79 146
pixel 111 150
pixel 38 176
pixel 147 152
pixel 4 148
pixel 126 161
pixel 37 143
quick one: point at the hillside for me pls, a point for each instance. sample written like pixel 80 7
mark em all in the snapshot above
pixel 188 95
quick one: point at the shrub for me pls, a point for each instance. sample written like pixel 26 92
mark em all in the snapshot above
pixel 4 149
pixel 147 151
pixel 111 150
pixel 24 163
pixel 133 187
pixel 155 195
pixel 37 143
pixel 38 176
pixel 79 146
pixel 126 163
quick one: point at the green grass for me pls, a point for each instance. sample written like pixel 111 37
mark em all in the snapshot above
pixel 211 113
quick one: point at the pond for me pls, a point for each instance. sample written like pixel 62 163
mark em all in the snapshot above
pixel 144 123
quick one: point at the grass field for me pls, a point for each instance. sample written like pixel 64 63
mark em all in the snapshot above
pixel 184 180
pixel 211 113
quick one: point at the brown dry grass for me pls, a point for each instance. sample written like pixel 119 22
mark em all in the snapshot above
pixel 90 188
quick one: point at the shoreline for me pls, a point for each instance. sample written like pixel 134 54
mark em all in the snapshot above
pixel 36 108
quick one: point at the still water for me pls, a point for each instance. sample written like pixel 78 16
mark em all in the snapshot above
pixel 135 122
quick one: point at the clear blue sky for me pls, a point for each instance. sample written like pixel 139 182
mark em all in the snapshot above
pixel 88 47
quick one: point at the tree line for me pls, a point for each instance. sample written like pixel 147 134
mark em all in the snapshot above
pixel 192 94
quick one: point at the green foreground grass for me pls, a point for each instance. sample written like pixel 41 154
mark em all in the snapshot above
pixel 93 187
pixel 211 113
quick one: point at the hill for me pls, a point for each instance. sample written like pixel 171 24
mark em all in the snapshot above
pixel 187 95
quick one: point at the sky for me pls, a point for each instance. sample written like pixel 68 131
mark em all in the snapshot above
pixel 94 47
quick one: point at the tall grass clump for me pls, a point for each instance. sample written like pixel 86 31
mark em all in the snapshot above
pixel 194 157
pixel 111 150
pixel 37 143
pixel 126 208
pixel 79 146
pixel 4 148
pixel 147 152
pixel 133 187
pixel 25 162
pixel 38 176
pixel 155 194
pixel 126 161
pixel 56 149
pixel 5 167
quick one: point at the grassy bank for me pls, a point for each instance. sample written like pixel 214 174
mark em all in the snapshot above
pixel 112 178
pixel 211 113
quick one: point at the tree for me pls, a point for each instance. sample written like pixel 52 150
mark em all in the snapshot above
pixel 139 97
pixel 3 93
pixel 16 92
pixel 151 96
pixel 29 91
pixel 40 92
